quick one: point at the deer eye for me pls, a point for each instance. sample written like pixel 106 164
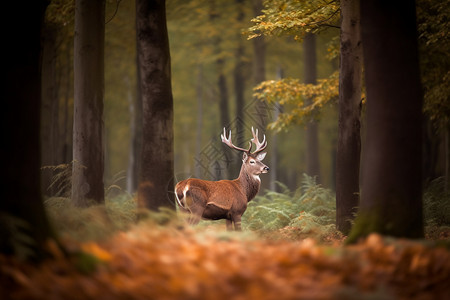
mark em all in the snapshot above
pixel 252 162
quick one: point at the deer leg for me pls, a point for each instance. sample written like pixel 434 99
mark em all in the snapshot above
pixel 196 214
pixel 237 223
pixel 229 225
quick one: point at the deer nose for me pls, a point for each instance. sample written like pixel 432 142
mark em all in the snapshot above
pixel 266 168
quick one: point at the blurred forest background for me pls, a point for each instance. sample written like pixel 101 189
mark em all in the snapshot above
pixel 214 73
pixel 210 51
pixel 237 64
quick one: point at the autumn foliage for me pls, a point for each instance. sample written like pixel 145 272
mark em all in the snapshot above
pixel 180 262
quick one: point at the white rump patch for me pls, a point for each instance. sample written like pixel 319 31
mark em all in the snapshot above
pixel 186 188
pixel 182 202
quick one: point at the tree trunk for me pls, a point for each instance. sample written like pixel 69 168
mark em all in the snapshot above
pixel 198 134
pixel 223 94
pixel 391 201
pixel 49 102
pixel 21 200
pixel 261 113
pixel 274 155
pixel 135 105
pixel 224 120
pixel 349 137
pixel 134 169
pixel 67 155
pixel 312 140
pixel 157 165
pixel 259 71
pixel 88 152
pixel 239 88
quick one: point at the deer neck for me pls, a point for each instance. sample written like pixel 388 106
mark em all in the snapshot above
pixel 250 184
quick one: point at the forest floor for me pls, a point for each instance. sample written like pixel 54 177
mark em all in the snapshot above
pixel 181 262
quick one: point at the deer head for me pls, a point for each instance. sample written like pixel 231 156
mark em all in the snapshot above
pixel 251 161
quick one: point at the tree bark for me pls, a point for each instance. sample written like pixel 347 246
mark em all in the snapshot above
pixel 224 120
pixel 349 137
pixel 21 199
pixel 259 71
pixel 49 106
pixel 239 88
pixel 274 155
pixel 157 158
pixel 134 168
pixel 312 140
pixel 199 129
pixel 223 94
pixel 391 201
pixel 88 152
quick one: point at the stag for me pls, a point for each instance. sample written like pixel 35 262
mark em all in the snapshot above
pixel 225 199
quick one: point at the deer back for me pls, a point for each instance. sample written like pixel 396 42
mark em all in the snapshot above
pixel 220 193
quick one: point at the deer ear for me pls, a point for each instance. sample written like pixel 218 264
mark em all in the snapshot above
pixel 244 157
pixel 261 156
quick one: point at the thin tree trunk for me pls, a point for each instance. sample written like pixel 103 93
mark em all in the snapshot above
pixel 239 87
pixel 131 158
pixel 223 94
pixel 157 169
pixel 349 136
pixel 261 114
pixel 221 168
pixel 136 140
pixel 274 155
pixel 67 121
pixel 259 71
pixel 312 140
pixel 391 198
pixel 88 152
pixel 198 138
pixel 447 164
pixel 48 100
pixel 223 173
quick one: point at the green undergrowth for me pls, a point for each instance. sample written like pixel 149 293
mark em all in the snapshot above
pixel 307 212
pixel 310 211
pixel 94 222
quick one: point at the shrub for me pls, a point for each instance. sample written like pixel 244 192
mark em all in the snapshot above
pixel 310 210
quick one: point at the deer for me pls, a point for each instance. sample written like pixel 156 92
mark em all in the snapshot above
pixel 225 199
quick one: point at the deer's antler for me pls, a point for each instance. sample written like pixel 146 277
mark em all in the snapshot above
pixel 260 146
pixel 227 141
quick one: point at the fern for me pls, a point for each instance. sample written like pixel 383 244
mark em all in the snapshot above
pixel 436 204
pixel 310 209
pixel 16 237
pixel 61 181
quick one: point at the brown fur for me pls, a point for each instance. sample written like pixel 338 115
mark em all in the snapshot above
pixel 224 199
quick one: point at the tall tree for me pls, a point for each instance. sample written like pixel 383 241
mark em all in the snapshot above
pixel 134 156
pixel 303 20
pixel 391 201
pixel 49 104
pixel 349 137
pixel 88 152
pixel 239 89
pixel 21 200
pixel 310 77
pixel 259 64
pixel 156 181
pixel 222 85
